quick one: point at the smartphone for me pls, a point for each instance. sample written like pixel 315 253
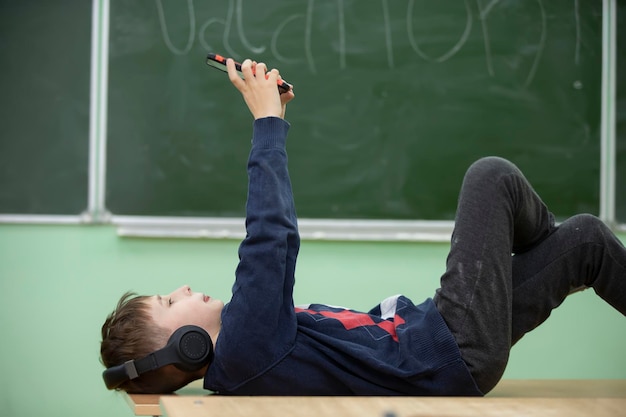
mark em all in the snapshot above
pixel 219 62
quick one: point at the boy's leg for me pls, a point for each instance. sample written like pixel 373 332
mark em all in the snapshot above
pixel 490 299
pixel 582 252
pixel 498 213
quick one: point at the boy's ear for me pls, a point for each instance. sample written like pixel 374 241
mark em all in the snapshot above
pixel 189 349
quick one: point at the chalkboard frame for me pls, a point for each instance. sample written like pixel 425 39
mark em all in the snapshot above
pixel 325 229
pixel 44 151
pixel 368 229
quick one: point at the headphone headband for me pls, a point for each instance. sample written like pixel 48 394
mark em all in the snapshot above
pixel 189 349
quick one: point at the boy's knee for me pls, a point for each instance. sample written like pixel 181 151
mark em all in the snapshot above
pixel 492 164
pixel 490 168
pixel 588 221
pixel 589 227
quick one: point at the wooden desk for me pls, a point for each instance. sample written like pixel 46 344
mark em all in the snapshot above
pixel 148 404
pixel 391 407
pixel 589 398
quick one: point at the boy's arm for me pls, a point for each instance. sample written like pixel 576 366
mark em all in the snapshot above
pixel 259 322
pixel 265 274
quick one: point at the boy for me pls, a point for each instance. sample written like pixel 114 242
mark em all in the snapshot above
pixel 454 344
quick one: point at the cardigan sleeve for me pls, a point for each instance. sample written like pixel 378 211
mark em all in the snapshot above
pixel 259 323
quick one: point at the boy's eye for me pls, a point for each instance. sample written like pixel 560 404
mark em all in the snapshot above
pixel 170 302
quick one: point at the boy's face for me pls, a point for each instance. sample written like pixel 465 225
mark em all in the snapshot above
pixel 184 307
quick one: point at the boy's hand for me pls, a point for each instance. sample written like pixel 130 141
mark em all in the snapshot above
pixel 259 89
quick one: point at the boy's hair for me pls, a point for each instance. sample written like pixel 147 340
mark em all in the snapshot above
pixel 130 333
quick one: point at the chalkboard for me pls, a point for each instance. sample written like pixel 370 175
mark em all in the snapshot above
pixel 620 116
pixel 394 99
pixel 44 106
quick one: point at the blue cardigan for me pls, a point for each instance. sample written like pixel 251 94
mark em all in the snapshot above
pixel 267 346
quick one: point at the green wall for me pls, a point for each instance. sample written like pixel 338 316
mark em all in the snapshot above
pixel 59 282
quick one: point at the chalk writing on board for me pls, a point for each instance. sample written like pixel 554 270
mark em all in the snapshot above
pixel 233 27
pixel 577 18
pixel 165 33
pixel 453 50
pixel 484 13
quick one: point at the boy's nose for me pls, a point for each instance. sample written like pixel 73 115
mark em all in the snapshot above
pixel 184 290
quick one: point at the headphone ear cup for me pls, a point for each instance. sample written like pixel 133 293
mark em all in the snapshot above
pixel 193 347
pixel 189 349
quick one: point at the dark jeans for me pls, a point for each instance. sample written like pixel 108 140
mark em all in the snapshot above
pixel 509 266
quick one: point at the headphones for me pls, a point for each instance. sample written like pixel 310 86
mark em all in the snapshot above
pixel 189 349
